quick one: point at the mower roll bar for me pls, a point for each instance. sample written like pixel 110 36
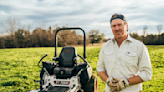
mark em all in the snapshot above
pixel 74 28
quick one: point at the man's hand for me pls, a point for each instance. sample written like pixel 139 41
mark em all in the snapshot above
pixel 109 81
pixel 123 83
pixel 113 84
pixel 118 84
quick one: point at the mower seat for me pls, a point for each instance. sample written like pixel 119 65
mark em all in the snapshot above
pixel 67 62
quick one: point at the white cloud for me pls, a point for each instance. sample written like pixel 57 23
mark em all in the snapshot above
pixel 89 14
pixel 3 12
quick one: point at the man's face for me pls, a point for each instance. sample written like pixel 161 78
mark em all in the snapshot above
pixel 119 28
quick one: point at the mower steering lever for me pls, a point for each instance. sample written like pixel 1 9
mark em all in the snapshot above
pixel 42 59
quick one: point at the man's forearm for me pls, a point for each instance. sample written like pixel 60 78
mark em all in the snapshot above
pixel 135 80
pixel 103 76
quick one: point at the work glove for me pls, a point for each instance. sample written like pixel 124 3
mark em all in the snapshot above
pixel 119 84
pixel 112 83
pixel 109 81
pixel 114 86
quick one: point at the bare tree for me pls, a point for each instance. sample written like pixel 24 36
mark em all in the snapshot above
pixel 43 25
pixel 10 25
pixel 144 32
pixel 159 27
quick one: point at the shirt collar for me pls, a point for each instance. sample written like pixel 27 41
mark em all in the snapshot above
pixel 128 39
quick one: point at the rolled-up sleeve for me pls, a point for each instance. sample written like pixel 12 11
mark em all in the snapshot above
pixel 145 65
pixel 100 63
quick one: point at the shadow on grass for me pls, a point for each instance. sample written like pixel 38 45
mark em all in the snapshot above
pixel 11 83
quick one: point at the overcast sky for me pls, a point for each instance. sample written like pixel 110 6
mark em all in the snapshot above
pixel 87 14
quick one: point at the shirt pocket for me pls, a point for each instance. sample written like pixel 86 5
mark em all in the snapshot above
pixel 131 58
pixel 108 52
pixel 108 56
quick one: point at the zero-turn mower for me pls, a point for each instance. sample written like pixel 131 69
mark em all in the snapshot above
pixel 67 74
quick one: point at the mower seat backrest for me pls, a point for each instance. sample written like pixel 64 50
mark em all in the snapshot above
pixel 67 55
pixel 67 62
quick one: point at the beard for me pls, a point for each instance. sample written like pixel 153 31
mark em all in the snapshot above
pixel 119 34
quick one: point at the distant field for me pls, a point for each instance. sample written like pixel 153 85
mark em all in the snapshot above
pixel 19 67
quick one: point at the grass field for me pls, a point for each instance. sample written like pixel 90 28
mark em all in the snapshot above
pixel 19 68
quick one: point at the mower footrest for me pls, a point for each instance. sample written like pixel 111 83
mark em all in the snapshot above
pixel 58 89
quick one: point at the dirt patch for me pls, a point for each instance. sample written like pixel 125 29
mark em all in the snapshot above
pixel 95 44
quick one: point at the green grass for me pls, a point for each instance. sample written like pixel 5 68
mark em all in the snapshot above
pixel 19 68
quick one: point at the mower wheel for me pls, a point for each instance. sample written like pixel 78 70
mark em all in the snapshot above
pixel 91 86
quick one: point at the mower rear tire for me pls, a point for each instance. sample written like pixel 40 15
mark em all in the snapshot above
pixel 91 86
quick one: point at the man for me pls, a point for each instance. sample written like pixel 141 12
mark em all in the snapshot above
pixel 124 62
